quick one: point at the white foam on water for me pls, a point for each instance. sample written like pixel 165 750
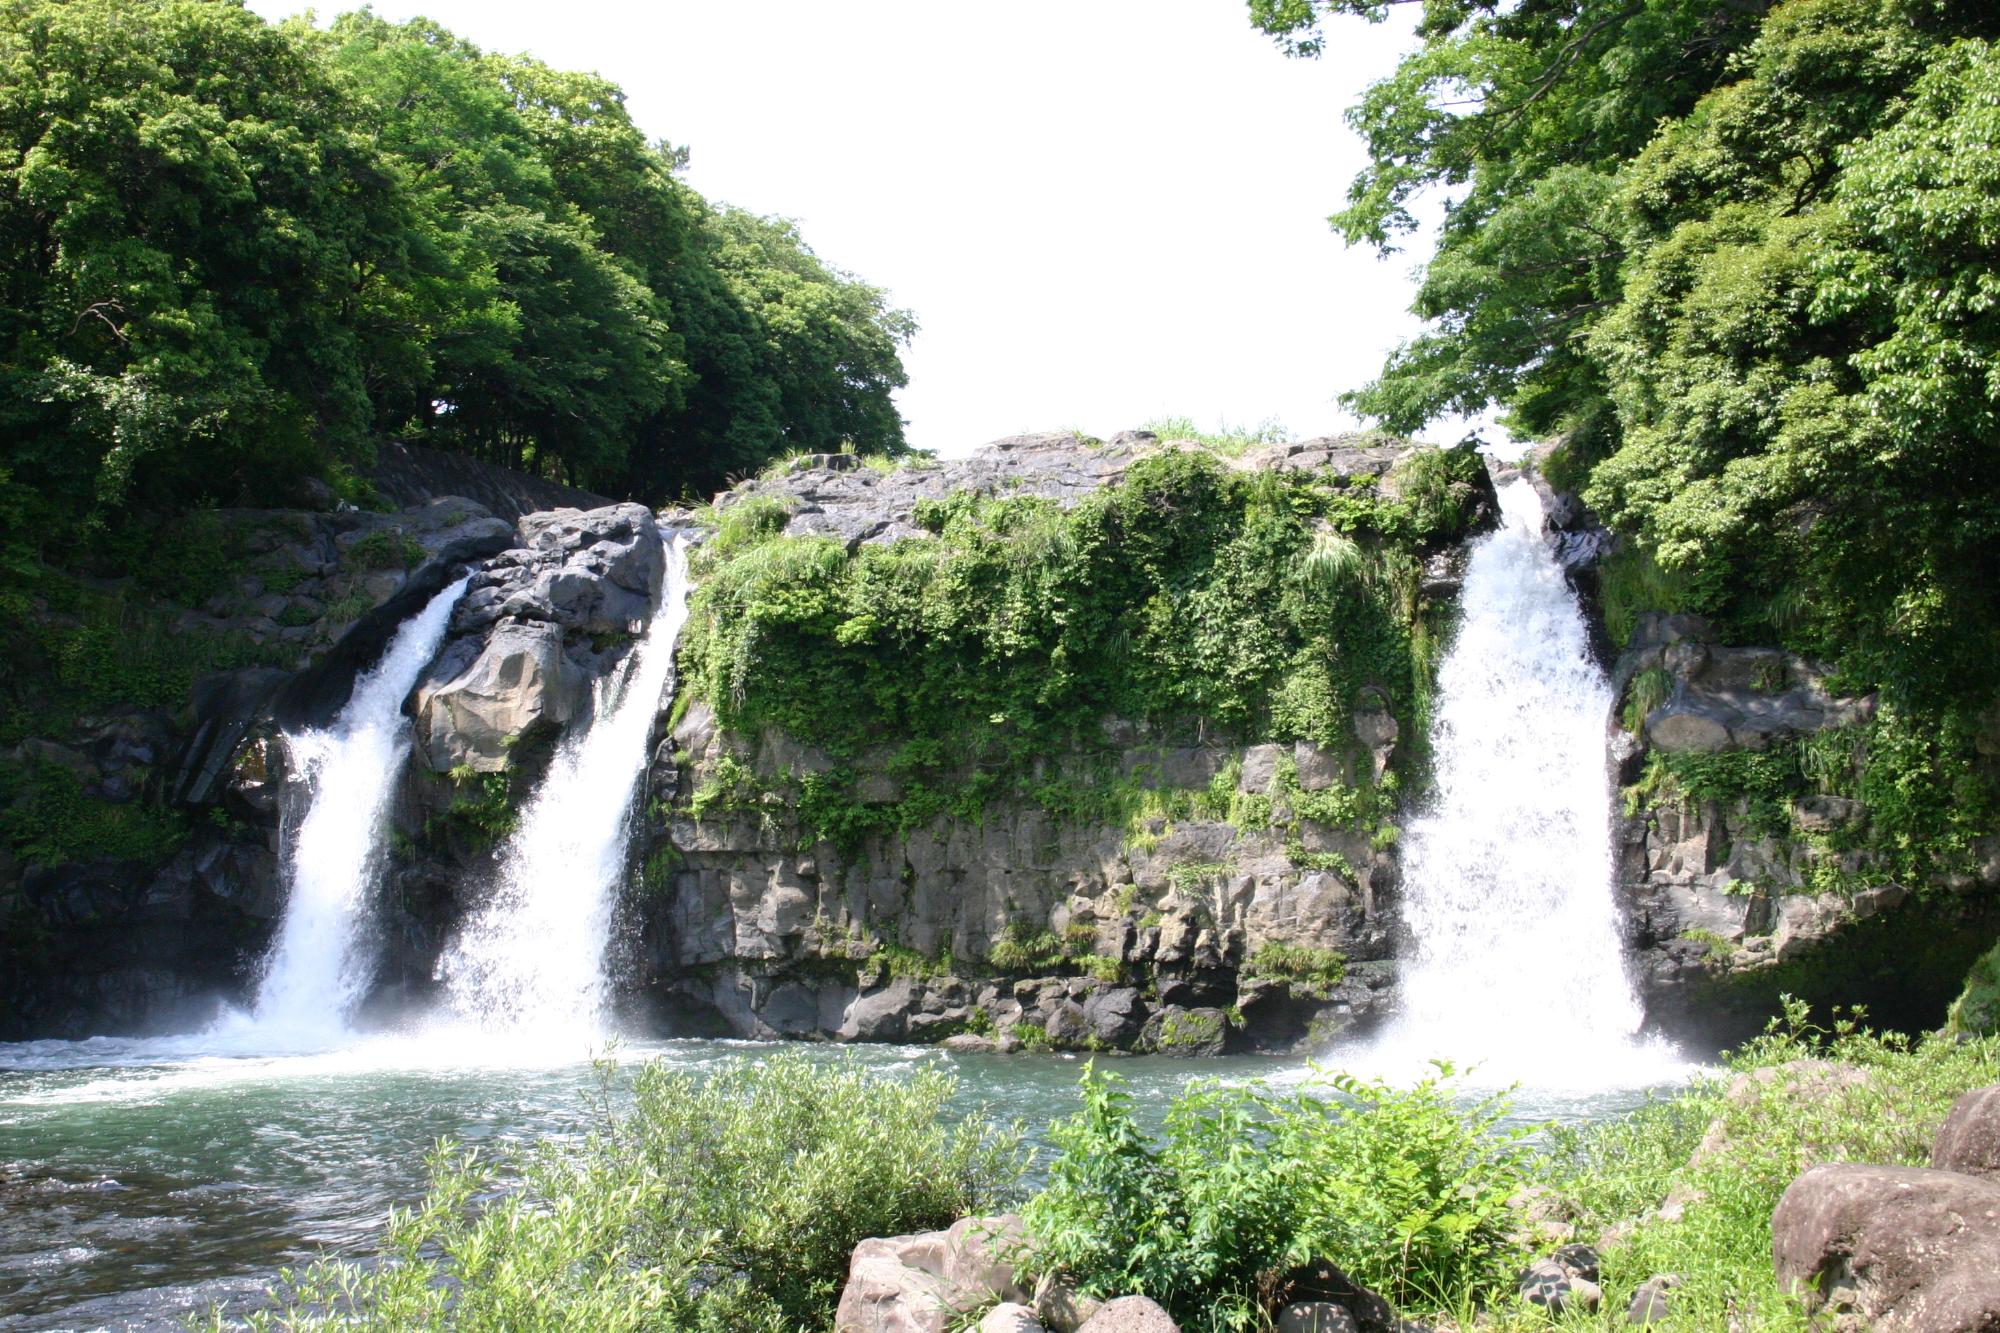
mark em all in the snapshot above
pixel 320 964
pixel 532 958
pixel 1515 971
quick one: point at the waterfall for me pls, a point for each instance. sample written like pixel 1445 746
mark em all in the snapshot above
pixel 1516 960
pixel 319 967
pixel 533 955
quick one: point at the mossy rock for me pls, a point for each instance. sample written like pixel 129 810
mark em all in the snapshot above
pixel 1976 1011
pixel 1191 1032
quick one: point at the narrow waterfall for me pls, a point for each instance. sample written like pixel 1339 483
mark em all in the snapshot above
pixel 1517 964
pixel 320 965
pixel 533 955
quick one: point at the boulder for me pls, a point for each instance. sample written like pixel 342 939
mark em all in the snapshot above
pixel 1908 1250
pixel 1650 1303
pixel 520 676
pixel 1320 769
pixel 1067 1025
pixel 1969 1140
pixel 924 1282
pixel 1115 1015
pixel 1260 768
pixel 1323 1283
pixel 1557 1290
pixel 1316 1317
pixel 1173 1030
pixel 1060 1306
pixel 1578 1260
pixel 1010 1317
pixel 1130 1314
pixel 886 1293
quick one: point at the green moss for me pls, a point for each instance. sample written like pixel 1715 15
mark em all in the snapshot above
pixel 1716 950
pixel 48 820
pixel 1188 1030
pixel 484 809
pixel 385 548
pixel 1303 965
pixel 1032 1036
pixel 1188 596
pixel 70 648
pixel 896 960
pixel 1022 950
pixel 1976 1011
pixel 1929 800
pixel 1188 876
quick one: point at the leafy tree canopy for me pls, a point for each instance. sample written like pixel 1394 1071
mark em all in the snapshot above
pixel 234 254
pixel 1739 258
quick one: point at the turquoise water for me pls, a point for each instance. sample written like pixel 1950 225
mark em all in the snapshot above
pixel 144 1181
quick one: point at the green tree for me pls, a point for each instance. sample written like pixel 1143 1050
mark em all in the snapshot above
pixel 1738 258
pixel 195 241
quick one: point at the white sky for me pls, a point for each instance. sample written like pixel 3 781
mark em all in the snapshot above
pixel 1101 211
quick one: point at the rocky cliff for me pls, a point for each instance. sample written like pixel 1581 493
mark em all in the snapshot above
pixel 999 810
pixel 1778 834
pixel 1069 743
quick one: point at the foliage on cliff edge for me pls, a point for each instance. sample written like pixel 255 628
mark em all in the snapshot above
pixel 1741 258
pixel 1225 603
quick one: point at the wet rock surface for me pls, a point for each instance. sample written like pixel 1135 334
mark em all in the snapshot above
pixel 140 946
pixel 538 625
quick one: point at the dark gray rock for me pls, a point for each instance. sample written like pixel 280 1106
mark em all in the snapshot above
pixel 537 625
pixel 1324 1283
pixel 1115 1015
pixel 1316 1317
pixel 1554 1288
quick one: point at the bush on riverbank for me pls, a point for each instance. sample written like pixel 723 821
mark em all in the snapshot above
pixel 1405 1190
pixel 1687 1184
pixel 726 1204
pixel 732 1202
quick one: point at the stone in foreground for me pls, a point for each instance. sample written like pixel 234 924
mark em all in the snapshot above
pixel 1130 1314
pixel 922 1283
pixel 1316 1317
pixel 1969 1140
pixel 1010 1317
pixel 1905 1249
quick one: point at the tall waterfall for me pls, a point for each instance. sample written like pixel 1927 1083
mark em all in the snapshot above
pixel 320 965
pixel 1517 964
pixel 533 955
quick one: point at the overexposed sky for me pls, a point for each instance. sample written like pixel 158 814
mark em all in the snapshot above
pixel 1100 211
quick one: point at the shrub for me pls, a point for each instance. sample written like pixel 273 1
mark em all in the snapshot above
pixel 1404 1189
pixel 1756 1141
pixel 1305 966
pixel 718 1204
pixel 1976 1011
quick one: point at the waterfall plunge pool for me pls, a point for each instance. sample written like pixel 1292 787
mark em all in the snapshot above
pixel 145 1180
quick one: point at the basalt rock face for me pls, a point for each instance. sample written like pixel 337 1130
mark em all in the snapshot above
pixel 98 941
pixel 838 496
pixel 1198 930
pixel 1021 923
pixel 1731 901
pixel 539 624
pixel 1018 921
pixel 1734 901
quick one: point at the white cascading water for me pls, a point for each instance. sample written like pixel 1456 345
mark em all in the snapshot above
pixel 320 965
pixel 1516 964
pixel 532 958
